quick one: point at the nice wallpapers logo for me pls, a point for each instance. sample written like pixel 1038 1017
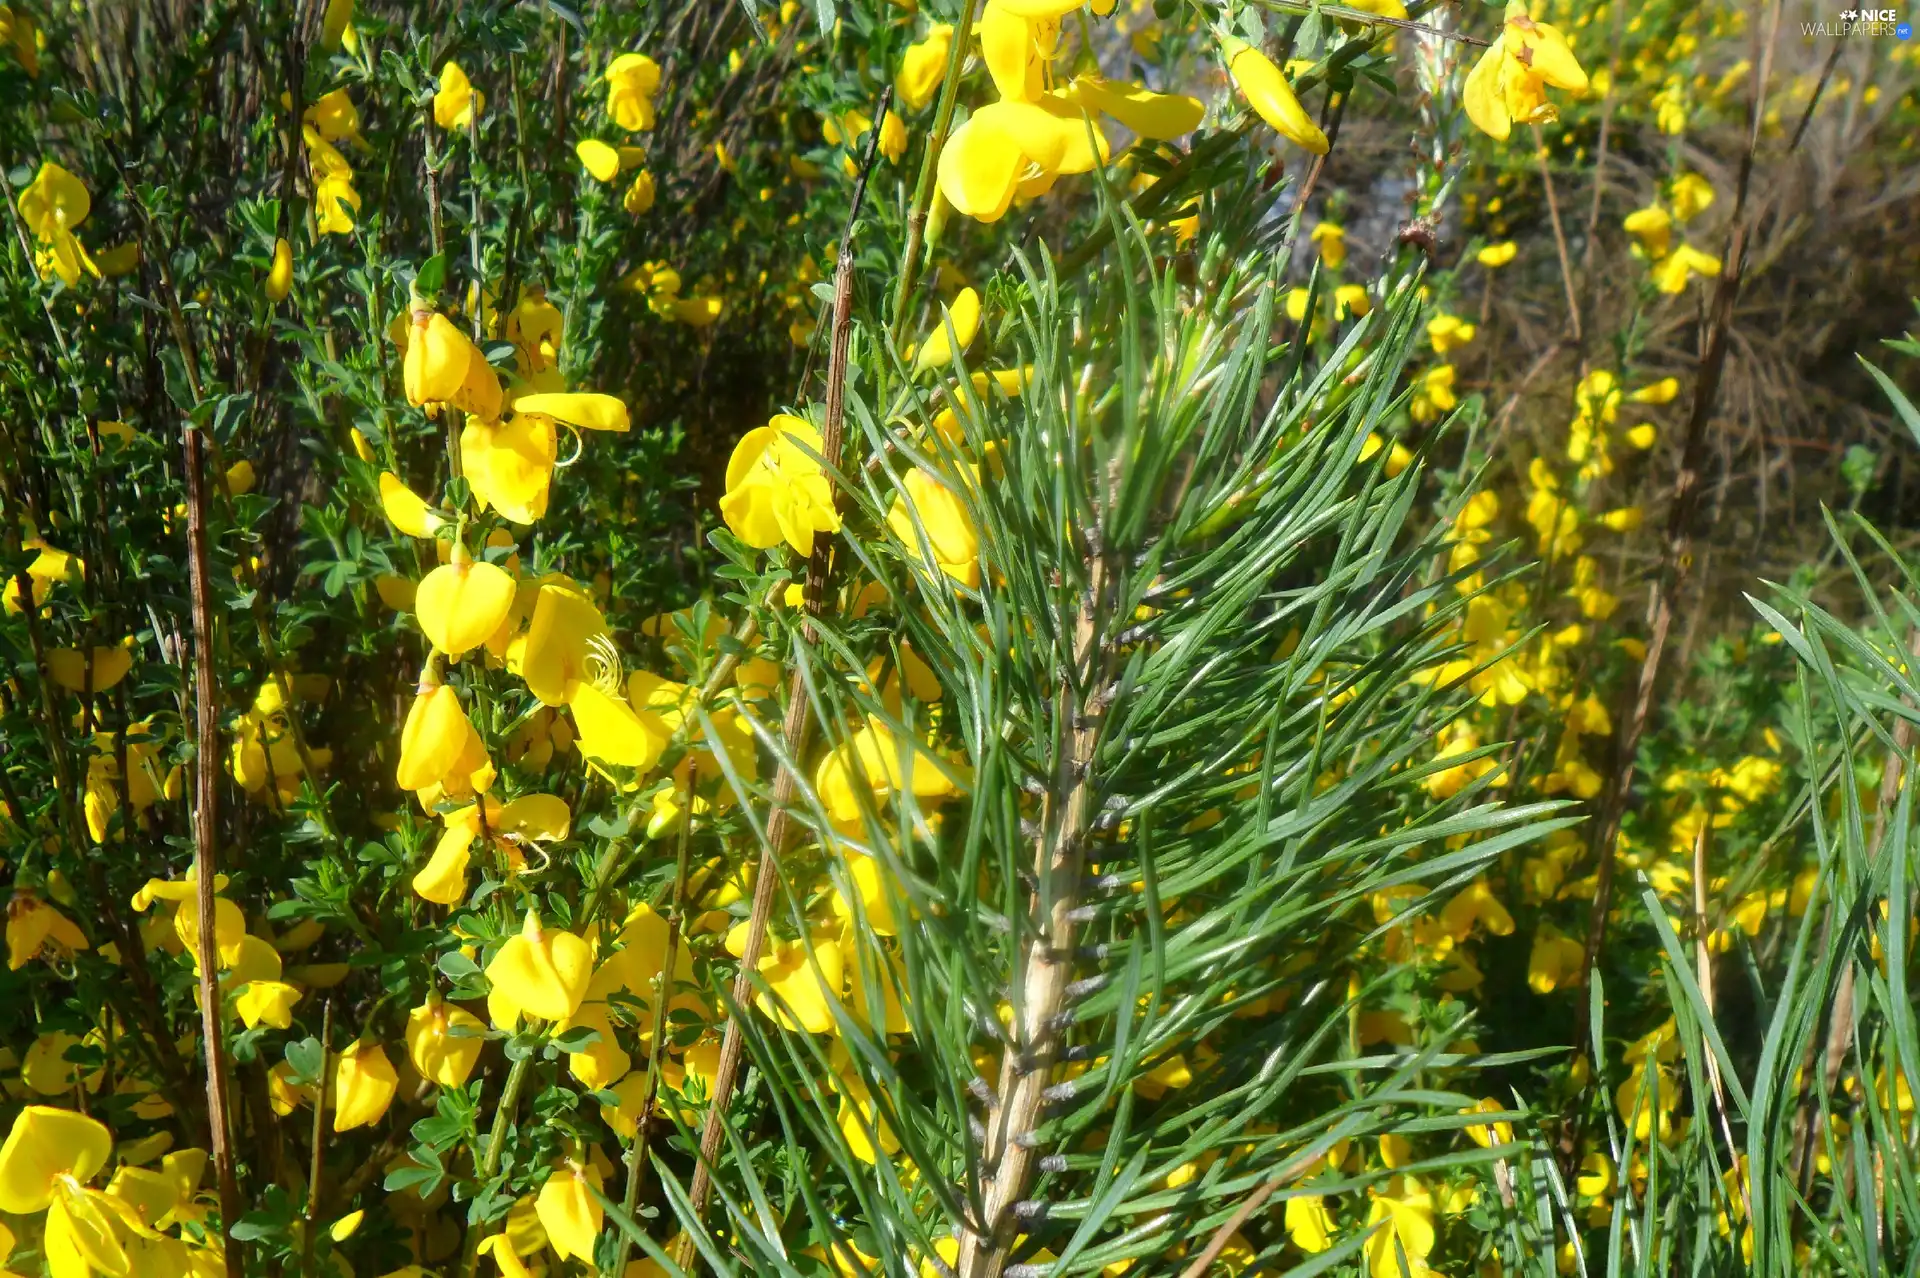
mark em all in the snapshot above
pixel 1862 22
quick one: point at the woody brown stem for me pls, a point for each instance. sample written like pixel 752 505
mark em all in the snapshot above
pixel 206 814
pixel 797 728
pixel 1559 236
pixel 1676 559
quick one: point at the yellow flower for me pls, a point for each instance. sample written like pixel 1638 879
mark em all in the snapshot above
pixel 1402 1224
pixel 1691 194
pixel 509 464
pixel 1351 300
pixel 1433 394
pixel 18 28
pixel 1161 116
pixel 569 1212
pixel 531 818
pixel 1013 147
pixel 874 761
pixel 363 1086
pixel 1309 1223
pixel 632 80
pixel 928 504
pixel 435 739
pixel 601 161
pixel 53 204
pixel 776 489
pixel 334 117
pixel 859 1119
pixel 964 315
pixel 443 366
pixel 1449 333
pixel 462 603
pixel 1487 1135
pixel 49 1151
pixel 1332 241
pixel 584 409
pixel 71 669
pixel 455 102
pixel 335 202
pixel 1510 81
pixel 639 196
pixel 923 66
pixel 1475 905
pixel 1661 392
pixel 893 137
pixel 1266 89
pixel 444 1042
pixel 542 973
pixel 1554 961
pixel 612 730
pixel 1651 228
pixel 1673 272
pixel 406 509
pixel 804 982
pixel 34 926
pixel 1495 256
pixel 280 274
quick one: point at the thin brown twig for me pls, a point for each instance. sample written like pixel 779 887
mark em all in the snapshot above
pixel 1559 237
pixel 1676 560
pixel 206 805
pixel 797 727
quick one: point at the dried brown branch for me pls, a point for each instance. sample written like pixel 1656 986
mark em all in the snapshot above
pixel 1676 559
pixel 797 728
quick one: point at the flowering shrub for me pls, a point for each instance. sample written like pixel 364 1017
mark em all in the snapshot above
pixel 1124 771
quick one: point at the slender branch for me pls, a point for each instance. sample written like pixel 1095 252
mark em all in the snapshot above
pixel 316 1162
pixel 206 814
pixel 496 1145
pixel 1600 148
pixel 1559 236
pixel 1203 1262
pixel 797 728
pixel 1676 559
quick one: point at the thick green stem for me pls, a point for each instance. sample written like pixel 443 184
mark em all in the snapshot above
pixel 496 1145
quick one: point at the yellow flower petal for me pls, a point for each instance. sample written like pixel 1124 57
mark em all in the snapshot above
pixel 45 1146
pixel 578 408
pixel 1266 89
pixel 461 604
pixel 406 509
pixel 569 1212
pixel 363 1086
pixel 433 739
pixel 545 974
pixel 601 161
